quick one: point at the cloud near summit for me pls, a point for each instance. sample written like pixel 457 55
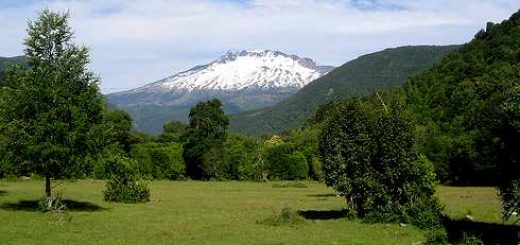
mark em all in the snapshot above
pixel 137 42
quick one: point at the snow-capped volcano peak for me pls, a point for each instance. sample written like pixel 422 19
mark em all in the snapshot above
pixel 245 70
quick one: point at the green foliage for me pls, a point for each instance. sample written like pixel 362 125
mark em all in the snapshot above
pixel 172 132
pixel 360 77
pixel 511 199
pixel 464 127
pixel 235 159
pixel 50 114
pixel 285 216
pixel 124 184
pixel 119 129
pixel 159 161
pixel 283 162
pixel 369 157
pixel 8 63
pixel 206 131
pixel 52 204
pixel 99 169
pixel 436 237
pixel 305 140
pixel 241 153
pixel 174 127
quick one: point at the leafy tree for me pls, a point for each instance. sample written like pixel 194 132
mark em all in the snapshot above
pixel 235 159
pixel 119 129
pixel 369 157
pixel 159 160
pixel 306 141
pixel 172 132
pixel 284 162
pixel 206 130
pixel 51 116
pixel 241 154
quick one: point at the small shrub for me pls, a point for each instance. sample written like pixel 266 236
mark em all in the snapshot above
pixel 52 204
pixel 124 184
pixel 436 237
pixel 283 217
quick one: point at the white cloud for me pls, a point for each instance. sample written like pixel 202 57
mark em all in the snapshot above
pixel 137 42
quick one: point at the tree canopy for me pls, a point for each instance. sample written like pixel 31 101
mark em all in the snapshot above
pixel 369 157
pixel 206 131
pixel 51 112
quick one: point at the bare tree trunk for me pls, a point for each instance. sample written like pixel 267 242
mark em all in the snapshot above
pixel 48 186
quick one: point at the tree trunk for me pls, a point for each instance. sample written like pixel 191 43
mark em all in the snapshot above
pixel 48 186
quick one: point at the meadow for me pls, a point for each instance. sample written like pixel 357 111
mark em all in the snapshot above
pixel 194 212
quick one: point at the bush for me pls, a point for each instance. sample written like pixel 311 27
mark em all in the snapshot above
pixel 283 217
pixel 369 157
pixel 283 162
pixel 124 184
pixel 436 237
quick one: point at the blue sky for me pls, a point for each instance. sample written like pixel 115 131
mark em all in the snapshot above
pixel 135 42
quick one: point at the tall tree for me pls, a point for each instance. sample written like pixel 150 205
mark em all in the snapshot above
pixel 50 116
pixel 206 130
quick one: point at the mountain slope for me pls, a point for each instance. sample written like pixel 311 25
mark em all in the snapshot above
pixel 362 76
pixel 6 61
pixel 468 108
pixel 242 80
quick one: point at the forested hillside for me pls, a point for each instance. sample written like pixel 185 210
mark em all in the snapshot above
pixel 467 107
pixel 361 77
pixel 5 62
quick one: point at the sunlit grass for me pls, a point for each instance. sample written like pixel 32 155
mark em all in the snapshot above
pixel 482 203
pixel 191 212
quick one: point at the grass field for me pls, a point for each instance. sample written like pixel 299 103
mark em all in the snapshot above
pixel 190 212
pixel 480 202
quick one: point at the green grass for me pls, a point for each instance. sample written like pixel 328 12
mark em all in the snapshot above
pixel 482 203
pixel 190 212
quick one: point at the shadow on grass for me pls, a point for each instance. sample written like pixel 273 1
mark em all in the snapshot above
pixel 32 205
pixel 3 193
pixel 488 233
pixel 323 195
pixel 324 214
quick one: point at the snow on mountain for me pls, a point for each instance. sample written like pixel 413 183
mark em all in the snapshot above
pixel 245 80
pixel 254 69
